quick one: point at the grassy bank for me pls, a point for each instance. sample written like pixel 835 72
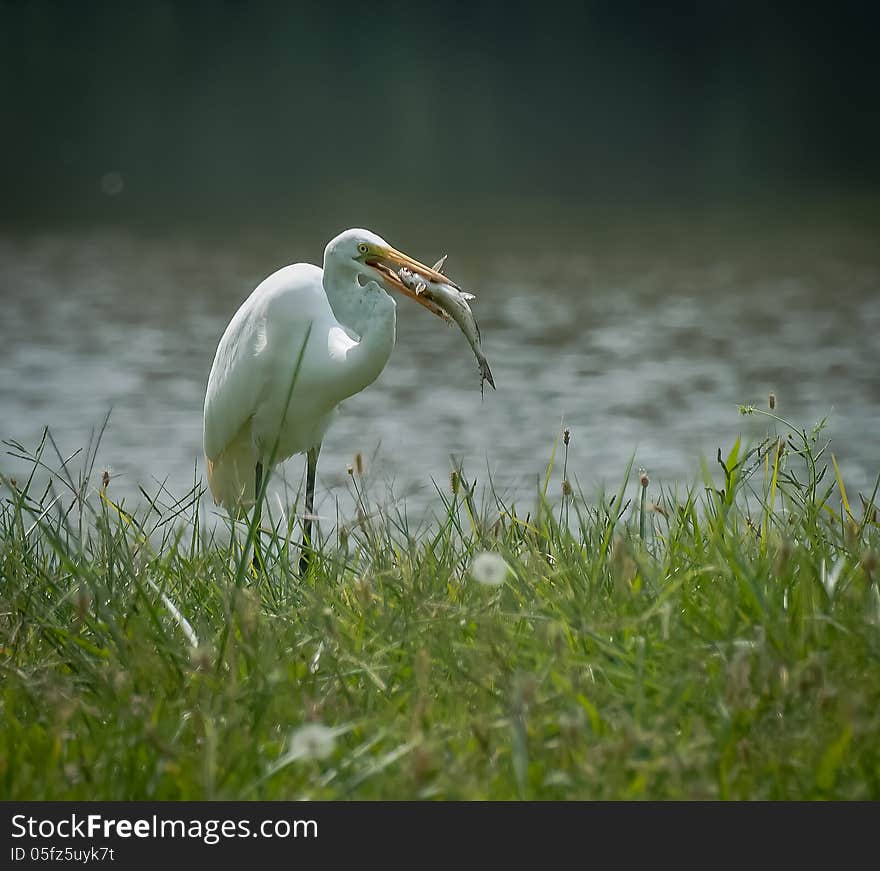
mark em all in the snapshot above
pixel 722 641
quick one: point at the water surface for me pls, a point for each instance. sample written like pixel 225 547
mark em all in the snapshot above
pixel 641 350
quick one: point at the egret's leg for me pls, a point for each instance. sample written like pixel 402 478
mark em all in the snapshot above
pixel 258 515
pixel 311 470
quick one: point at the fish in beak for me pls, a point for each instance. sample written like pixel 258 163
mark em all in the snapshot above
pixel 429 287
pixel 387 261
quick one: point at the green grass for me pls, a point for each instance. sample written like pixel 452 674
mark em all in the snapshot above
pixel 717 642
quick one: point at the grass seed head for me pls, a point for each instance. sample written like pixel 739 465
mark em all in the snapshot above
pixel 771 401
pixel 665 615
pixel 525 691
pixel 82 602
pixel 623 567
pixel 202 657
pixel 780 448
pixel 783 555
pixel 422 668
pixel 247 607
pixel 423 765
pixel 851 532
pixel 363 589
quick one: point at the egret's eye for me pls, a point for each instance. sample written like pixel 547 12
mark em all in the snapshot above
pixel 362 248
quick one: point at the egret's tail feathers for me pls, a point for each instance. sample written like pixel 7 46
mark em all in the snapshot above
pixel 231 476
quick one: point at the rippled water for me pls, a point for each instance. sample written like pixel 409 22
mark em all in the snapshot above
pixel 645 353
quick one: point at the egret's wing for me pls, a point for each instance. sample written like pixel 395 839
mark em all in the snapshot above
pixel 238 379
pixel 262 340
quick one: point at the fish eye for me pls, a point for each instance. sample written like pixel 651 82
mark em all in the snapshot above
pixel 362 248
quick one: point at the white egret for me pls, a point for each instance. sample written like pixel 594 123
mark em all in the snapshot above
pixel 338 324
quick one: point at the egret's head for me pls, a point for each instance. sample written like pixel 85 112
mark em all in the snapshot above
pixel 371 257
pixel 353 246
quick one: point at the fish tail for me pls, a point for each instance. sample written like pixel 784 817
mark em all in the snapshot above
pixel 486 374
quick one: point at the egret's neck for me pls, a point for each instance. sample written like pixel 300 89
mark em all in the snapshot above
pixel 370 313
pixel 346 296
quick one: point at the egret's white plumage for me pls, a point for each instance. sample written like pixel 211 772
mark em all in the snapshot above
pixel 350 322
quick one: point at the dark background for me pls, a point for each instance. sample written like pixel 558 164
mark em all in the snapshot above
pixel 252 116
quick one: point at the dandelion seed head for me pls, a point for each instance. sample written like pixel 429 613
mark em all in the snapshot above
pixel 312 741
pixel 644 480
pixel 489 569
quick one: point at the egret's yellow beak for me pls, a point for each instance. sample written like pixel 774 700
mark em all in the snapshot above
pixel 387 262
